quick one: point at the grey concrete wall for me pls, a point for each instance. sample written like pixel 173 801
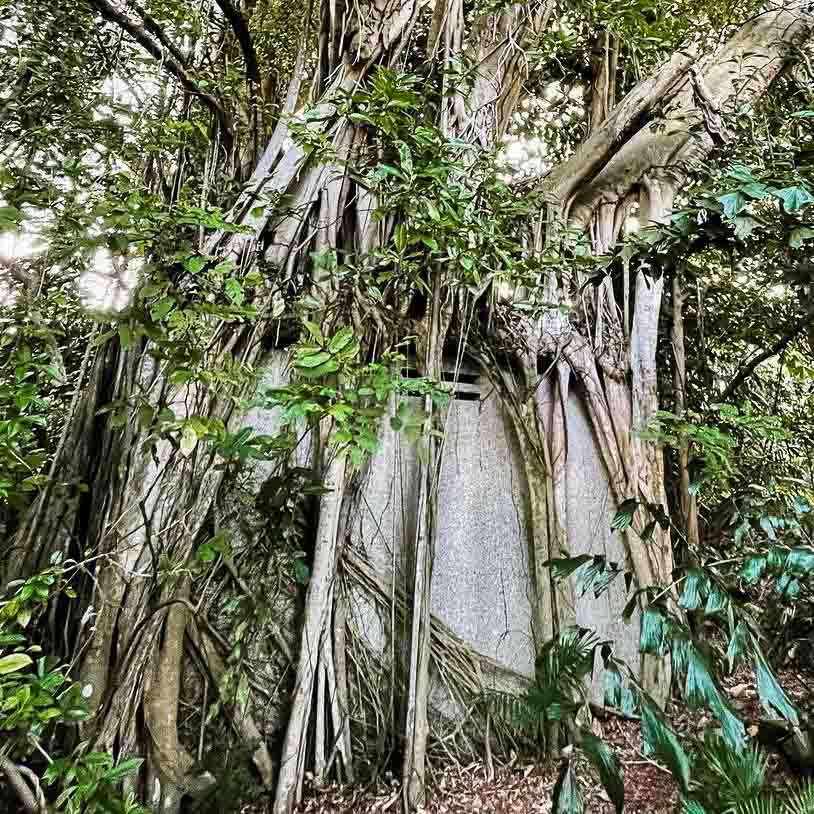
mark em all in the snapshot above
pixel 591 509
pixel 481 583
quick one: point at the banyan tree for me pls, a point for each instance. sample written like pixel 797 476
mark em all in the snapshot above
pixel 440 393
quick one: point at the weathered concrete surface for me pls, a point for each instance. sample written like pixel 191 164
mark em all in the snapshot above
pixel 591 509
pixel 481 584
pixel 481 587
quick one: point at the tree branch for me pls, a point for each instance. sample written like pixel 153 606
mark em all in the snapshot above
pixel 241 31
pixel 158 32
pixel 19 786
pixel 159 51
pixel 749 368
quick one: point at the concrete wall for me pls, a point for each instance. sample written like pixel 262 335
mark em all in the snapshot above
pixel 481 583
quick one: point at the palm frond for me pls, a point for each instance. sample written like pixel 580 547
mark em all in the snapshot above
pixel 724 778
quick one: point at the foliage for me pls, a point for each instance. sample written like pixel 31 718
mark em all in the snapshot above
pixel 36 695
pixel 91 784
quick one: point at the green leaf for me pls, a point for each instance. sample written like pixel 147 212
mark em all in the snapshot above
pixel 662 742
pixel 653 631
pixel 740 172
pixel 162 308
pixel 124 769
pixel 754 569
pixel 14 663
pixel 737 645
pixel 794 198
pixel 696 586
pixel 234 291
pixel 341 340
pixel 624 516
pixel 566 566
pixel 732 203
pixel 608 765
pixel 800 561
pixel 100 339
pixel 567 799
pixel 313 360
pixel 755 190
pixel 188 440
pixel 331 366
pixel 771 694
pixel 302 573
pixel 800 234
pixel 315 332
pixel 124 335
pixel 194 264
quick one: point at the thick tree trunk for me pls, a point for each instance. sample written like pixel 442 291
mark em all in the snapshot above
pixel 144 504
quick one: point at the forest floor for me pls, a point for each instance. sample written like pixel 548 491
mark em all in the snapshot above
pixel 527 789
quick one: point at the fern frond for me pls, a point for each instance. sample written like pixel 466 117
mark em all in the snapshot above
pixel 802 802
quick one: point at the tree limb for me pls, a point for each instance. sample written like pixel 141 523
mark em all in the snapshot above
pixel 158 32
pixel 19 786
pixel 749 368
pixel 158 50
pixel 241 31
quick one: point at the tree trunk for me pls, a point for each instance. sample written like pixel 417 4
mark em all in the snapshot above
pixel 133 506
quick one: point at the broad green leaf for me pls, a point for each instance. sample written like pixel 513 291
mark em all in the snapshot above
pixel 662 742
pixel 567 798
pixel 740 172
pixel 194 264
pixel 565 566
pixel 800 234
pixel 624 516
pixel 770 692
pixel 732 203
pixel 14 663
pixel 340 340
pixel 755 190
pixel 315 332
pixel 608 765
pixel 331 366
pixel 696 586
pixel 313 360
pixel 794 198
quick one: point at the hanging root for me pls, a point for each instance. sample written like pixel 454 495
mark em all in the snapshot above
pixel 28 793
pixel 241 719
pixel 318 607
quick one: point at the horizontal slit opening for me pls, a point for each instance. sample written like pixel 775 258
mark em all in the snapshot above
pixel 461 378
pixel 467 395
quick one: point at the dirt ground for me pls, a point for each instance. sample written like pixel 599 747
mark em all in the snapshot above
pixel 527 789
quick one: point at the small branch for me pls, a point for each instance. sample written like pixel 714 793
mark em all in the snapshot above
pixel 19 786
pixel 16 272
pixel 158 50
pixel 241 31
pixel 598 711
pixel 158 32
pixel 749 368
